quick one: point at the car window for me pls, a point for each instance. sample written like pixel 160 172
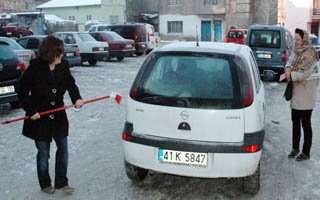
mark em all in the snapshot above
pixel 289 40
pixel 256 73
pixel 114 36
pixel 33 43
pixel 13 44
pixel 235 34
pixel 23 42
pixel 6 53
pixel 13 24
pixel 69 39
pixel 265 38
pixel 101 28
pixel 97 36
pixel 86 37
pixel 192 81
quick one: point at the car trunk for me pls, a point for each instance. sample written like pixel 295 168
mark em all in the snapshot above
pixel 9 70
pixel 205 125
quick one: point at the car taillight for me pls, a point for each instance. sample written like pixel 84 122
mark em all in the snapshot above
pixel 246 87
pixel 126 137
pixel 21 66
pixel 284 56
pixel 135 36
pixel 148 37
pixel 33 56
pixel 251 149
pixel 77 53
pixel 133 92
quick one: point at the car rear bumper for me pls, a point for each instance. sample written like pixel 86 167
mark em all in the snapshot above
pixel 277 68
pixel 123 52
pixel 141 47
pixel 99 56
pixel 73 61
pixel 224 159
pixel 7 98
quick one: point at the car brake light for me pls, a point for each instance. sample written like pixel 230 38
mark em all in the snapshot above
pixel 251 149
pixel 284 56
pixel 148 37
pixel 21 66
pixel 126 137
pixel 133 92
pixel 77 53
pixel 135 36
pixel 246 86
pixel 33 56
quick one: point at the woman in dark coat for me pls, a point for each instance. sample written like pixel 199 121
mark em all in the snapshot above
pixel 42 88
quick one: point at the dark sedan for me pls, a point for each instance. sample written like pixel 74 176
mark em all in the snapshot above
pixel 10 72
pixel 71 52
pixel 118 46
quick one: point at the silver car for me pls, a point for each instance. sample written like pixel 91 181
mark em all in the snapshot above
pixel 24 55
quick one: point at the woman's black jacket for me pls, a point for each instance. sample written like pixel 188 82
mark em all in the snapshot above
pixel 42 89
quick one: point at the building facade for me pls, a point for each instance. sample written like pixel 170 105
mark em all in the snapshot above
pixel 107 11
pixel 12 6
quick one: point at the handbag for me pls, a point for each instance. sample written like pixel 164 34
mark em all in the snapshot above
pixel 288 92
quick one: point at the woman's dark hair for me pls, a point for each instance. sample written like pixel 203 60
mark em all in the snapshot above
pixel 50 48
pixel 300 32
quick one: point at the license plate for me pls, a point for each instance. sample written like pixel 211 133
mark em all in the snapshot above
pixel 9 33
pixel 264 56
pixel 5 90
pixel 69 54
pixel 183 157
pixel 128 46
pixel 143 46
pixel 101 49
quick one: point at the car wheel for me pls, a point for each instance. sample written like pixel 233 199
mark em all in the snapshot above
pixel 251 184
pixel 139 54
pixel 120 58
pixel 136 174
pixel 15 104
pixel 92 61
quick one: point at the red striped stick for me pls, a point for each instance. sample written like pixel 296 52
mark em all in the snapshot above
pixel 116 96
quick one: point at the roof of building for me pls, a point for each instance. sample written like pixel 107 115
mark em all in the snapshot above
pixel 69 3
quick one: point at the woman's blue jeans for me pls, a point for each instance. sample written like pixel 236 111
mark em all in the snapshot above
pixel 43 156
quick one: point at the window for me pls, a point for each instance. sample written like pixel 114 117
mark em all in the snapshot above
pixel 210 2
pixel 69 39
pixel 72 18
pixel 265 38
pixel 114 19
pixel 175 27
pixel 174 2
pixel 89 17
pixel 33 44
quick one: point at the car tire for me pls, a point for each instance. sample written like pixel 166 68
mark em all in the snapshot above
pixel 139 54
pixel 92 61
pixel 120 58
pixel 251 184
pixel 15 104
pixel 134 173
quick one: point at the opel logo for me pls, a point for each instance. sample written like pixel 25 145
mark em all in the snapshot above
pixel 184 115
pixel 1 67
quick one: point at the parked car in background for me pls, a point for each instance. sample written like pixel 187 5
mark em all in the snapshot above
pixel 91 50
pixel 132 31
pixel 237 36
pixel 10 73
pixel 118 46
pixel 315 43
pixel 197 111
pixel 97 27
pixel 3 33
pixel 272 46
pixel 151 39
pixel 17 29
pixel 71 53
pixel 24 55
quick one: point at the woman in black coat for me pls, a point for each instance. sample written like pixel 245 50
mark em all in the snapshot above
pixel 42 88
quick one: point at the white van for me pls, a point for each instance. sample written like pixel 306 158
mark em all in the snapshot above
pixel 198 111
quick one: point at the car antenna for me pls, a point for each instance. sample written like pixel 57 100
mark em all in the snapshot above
pixel 197 37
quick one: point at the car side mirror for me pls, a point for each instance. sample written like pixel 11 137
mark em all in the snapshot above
pixel 269 75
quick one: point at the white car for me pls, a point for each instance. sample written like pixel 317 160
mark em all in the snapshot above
pixel 90 49
pixel 197 111
pixel 97 27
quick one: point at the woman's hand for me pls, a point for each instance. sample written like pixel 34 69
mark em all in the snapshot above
pixel 35 116
pixel 288 73
pixel 79 103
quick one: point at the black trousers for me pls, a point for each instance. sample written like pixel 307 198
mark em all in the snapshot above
pixel 303 117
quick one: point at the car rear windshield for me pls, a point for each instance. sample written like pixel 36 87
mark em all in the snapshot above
pixel 192 81
pixel 114 36
pixel 6 53
pixel 314 40
pixel 86 37
pixel 235 34
pixel 137 32
pixel 13 44
pixel 265 38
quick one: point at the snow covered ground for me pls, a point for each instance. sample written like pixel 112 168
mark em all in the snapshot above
pixel 96 159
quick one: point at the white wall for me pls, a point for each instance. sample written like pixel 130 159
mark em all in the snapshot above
pixel 298 14
pixel 189 25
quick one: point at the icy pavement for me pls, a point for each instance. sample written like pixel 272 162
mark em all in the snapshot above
pixel 96 159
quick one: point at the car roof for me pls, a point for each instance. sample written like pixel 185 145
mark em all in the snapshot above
pixel 35 36
pixel 266 27
pixel 204 47
pixel 128 24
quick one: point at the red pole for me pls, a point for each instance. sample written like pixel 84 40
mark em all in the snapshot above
pixel 117 99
